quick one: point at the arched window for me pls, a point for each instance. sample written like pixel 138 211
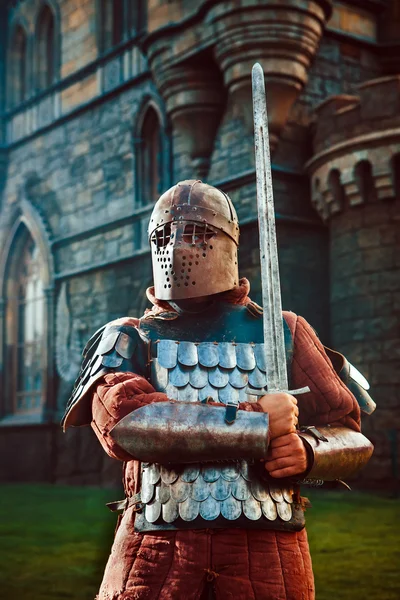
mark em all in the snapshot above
pixel 336 189
pixel 136 16
pixel 18 66
pixel 25 367
pixel 45 63
pixel 119 20
pixel 396 174
pixel 365 181
pixel 149 172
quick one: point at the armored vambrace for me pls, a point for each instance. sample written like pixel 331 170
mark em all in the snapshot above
pixel 335 452
pixel 182 432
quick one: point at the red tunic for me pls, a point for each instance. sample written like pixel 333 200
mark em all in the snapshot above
pixel 243 564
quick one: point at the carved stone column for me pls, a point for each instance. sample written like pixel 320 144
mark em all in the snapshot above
pixel 194 100
pixel 282 36
pixel 355 184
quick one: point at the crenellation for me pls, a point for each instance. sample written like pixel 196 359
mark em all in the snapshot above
pixel 73 154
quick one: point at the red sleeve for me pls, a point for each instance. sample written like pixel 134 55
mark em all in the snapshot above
pixel 330 401
pixel 118 394
pixel 115 396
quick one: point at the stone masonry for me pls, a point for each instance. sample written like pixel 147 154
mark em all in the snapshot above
pixel 69 160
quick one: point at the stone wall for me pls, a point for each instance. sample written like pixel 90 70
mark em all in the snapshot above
pixel 72 153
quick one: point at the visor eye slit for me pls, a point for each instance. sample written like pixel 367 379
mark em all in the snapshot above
pixel 161 236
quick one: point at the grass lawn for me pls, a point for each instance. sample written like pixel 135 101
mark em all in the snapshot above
pixel 54 542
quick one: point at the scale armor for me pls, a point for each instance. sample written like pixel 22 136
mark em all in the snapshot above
pixel 196 358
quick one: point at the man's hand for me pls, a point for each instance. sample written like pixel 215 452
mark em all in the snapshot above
pixel 282 411
pixel 286 456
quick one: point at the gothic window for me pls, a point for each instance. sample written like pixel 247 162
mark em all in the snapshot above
pixel 136 16
pixel 149 172
pixel 18 66
pixel 45 48
pixel 25 329
pixel 119 21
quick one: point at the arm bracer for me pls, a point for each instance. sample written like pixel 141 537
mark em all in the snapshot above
pixel 336 452
pixel 180 432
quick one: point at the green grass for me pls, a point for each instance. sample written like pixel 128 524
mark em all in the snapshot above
pixel 54 542
pixel 355 545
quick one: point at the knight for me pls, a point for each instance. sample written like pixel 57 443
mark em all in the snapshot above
pixel 213 461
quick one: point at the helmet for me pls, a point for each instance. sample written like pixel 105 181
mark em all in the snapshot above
pixel 194 236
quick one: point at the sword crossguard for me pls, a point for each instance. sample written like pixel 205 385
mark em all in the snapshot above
pixel 263 392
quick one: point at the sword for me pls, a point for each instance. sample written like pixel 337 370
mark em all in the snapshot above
pixel 274 343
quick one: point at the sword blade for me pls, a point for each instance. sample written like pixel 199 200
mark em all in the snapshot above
pixel 271 291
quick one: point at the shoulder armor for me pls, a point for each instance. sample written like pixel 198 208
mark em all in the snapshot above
pixel 110 349
pixel 354 380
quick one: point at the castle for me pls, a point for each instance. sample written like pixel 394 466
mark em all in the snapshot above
pixel 104 104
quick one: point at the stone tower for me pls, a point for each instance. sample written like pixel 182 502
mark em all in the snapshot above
pixel 355 175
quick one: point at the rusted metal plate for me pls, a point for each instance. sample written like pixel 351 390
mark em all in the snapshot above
pixel 276 492
pixel 208 354
pixel 342 454
pixel 240 488
pixel 153 473
pixel 147 491
pixel 167 353
pixel 260 490
pixel 170 511
pixel 112 360
pixel 287 493
pixel 159 376
pixel 268 508
pixel 189 509
pixel 227 355
pixel 169 475
pixel 218 377
pixel 259 354
pixel 190 473
pixel 153 511
pixel 179 376
pixel 231 471
pixel 228 394
pixel 245 357
pixel 198 377
pixel 210 509
pixel 188 394
pixel 208 391
pixel 125 345
pixel 163 493
pixel 284 510
pixel 231 508
pixel 252 509
pixel 108 342
pixel 220 489
pixel 210 472
pixel 257 378
pixel 180 490
pixel 187 354
pixel 245 470
pixel 238 378
pixel 199 489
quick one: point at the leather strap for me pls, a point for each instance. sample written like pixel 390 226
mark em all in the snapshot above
pixel 126 503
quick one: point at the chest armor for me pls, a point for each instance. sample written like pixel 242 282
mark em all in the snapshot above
pixel 216 356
